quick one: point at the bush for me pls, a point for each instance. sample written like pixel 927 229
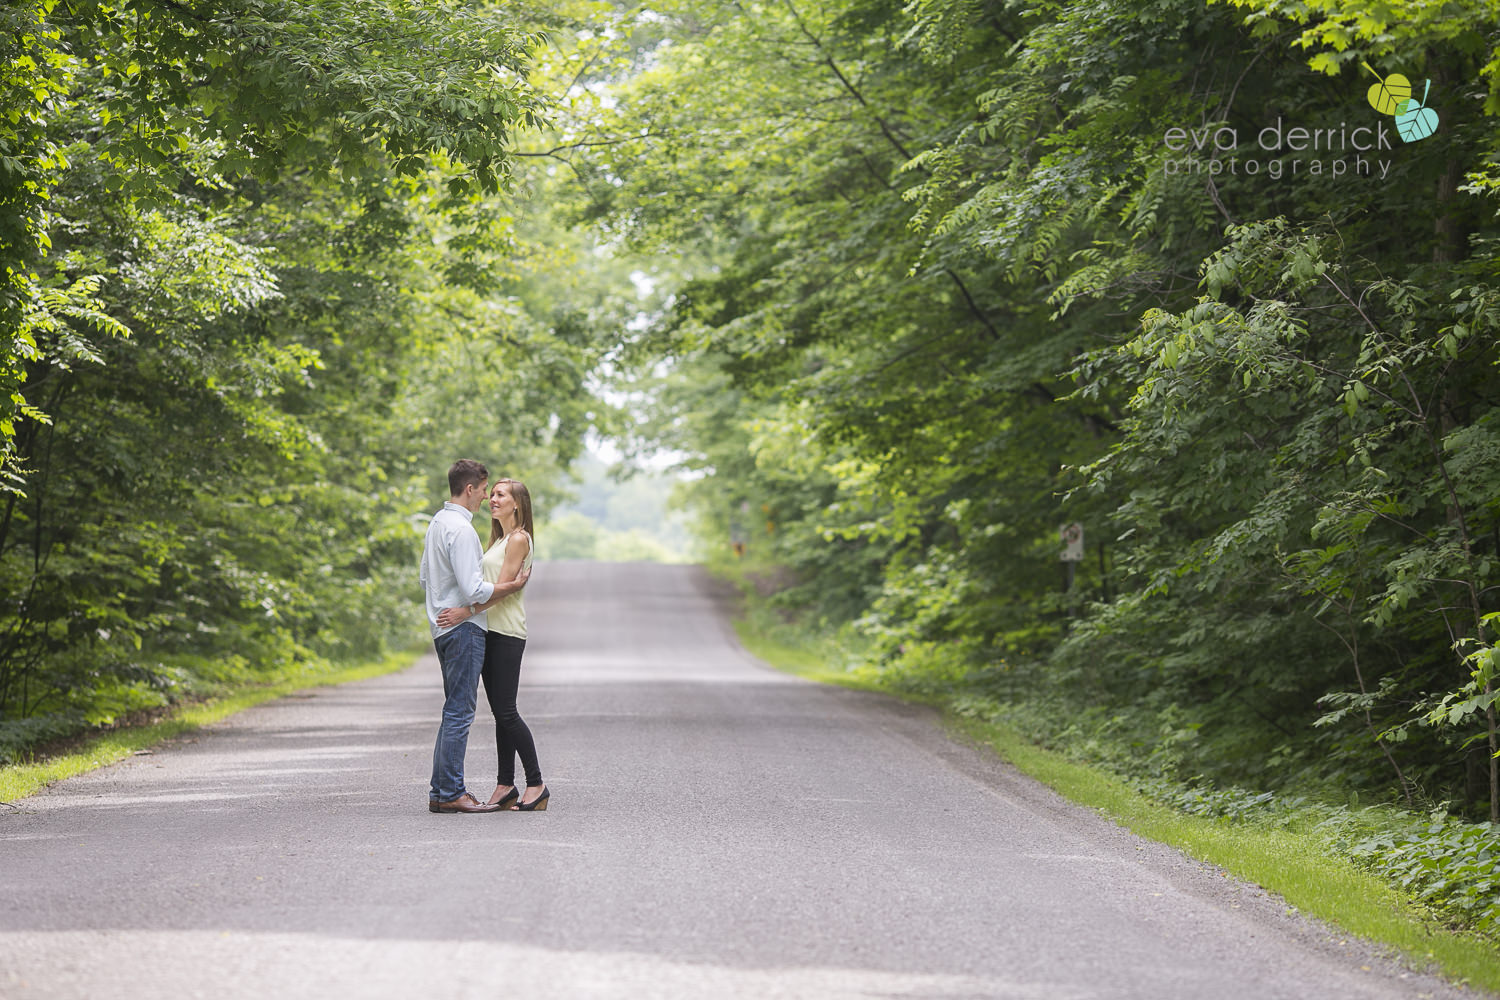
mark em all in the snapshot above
pixel 18 736
pixel 1452 865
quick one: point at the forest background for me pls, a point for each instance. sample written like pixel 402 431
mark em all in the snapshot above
pixel 906 286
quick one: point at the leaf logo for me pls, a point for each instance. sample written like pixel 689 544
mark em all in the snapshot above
pixel 1389 94
pixel 1414 121
pixel 1393 96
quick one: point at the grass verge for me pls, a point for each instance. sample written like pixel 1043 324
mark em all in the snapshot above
pixel 20 780
pixel 1291 863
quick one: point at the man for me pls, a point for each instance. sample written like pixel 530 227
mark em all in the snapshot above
pixel 451 577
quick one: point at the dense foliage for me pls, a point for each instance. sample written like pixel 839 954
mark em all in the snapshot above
pixel 1215 280
pixel 948 275
pixel 269 267
pixel 926 280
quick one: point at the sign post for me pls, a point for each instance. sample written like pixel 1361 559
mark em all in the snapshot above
pixel 737 535
pixel 1072 554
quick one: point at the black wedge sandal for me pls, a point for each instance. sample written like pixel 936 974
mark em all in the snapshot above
pixel 538 804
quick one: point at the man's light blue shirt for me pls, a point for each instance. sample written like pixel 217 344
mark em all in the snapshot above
pixel 450 574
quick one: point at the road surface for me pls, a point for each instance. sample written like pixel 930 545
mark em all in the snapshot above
pixel 717 830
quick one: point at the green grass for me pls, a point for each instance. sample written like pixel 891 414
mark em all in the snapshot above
pixel 20 780
pixel 1291 863
pixel 800 659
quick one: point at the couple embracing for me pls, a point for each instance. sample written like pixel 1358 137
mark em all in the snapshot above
pixel 478 619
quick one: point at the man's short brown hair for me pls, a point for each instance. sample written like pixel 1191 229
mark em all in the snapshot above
pixel 465 473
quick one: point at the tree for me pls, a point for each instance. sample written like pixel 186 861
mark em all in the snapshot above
pixel 959 273
pixel 273 287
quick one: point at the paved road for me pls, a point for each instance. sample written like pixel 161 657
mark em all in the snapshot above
pixel 717 830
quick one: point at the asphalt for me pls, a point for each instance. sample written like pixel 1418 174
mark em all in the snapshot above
pixel 716 829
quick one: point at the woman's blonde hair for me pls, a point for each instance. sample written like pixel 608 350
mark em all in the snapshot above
pixel 522 496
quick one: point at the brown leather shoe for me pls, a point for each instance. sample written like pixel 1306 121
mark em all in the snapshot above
pixel 465 803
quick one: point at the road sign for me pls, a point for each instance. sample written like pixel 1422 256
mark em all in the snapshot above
pixel 1072 539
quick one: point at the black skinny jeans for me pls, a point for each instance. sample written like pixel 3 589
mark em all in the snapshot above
pixel 502 677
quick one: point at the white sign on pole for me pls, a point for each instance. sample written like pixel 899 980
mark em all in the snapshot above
pixel 1072 539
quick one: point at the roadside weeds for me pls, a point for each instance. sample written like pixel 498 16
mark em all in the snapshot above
pixel 20 780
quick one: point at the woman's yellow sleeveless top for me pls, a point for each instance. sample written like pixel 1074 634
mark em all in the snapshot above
pixel 509 616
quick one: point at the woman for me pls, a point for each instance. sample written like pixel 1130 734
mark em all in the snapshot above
pixel 507 554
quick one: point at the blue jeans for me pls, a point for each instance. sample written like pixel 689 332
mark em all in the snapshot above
pixel 461 657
